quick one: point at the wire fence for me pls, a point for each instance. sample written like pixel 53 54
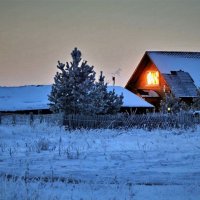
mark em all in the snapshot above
pixel 30 119
pixel 147 121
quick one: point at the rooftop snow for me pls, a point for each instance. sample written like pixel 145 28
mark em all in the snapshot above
pixel 24 98
pixel 181 84
pixel 36 97
pixel 175 61
pixel 130 99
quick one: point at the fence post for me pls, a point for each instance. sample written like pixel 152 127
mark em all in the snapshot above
pixel 13 120
pixel 41 119
pixel 31 118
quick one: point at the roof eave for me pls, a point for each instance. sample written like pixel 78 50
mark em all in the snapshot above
pixel 135 71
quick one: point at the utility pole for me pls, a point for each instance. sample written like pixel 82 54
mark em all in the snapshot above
pixel 113 79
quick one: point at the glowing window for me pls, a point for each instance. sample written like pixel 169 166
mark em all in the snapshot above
pixel 153 78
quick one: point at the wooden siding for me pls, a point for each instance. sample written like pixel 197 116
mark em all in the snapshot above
pixel 139 81
pixel 171 79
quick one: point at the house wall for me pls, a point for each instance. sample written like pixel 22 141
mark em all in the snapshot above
pixel 142 81
pixel 42 111
pixel 139 82
pixel 138 110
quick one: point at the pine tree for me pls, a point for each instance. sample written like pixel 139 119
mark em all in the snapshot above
pixel 105 102
pixel 196 101
pixel 114 102
pixel 75 91
pixel 170 104
pixel 98 104
pixel 72 86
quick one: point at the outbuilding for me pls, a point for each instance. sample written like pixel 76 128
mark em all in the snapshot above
pixel 34 99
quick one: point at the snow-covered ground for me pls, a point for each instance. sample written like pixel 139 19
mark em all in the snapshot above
pixel 44 162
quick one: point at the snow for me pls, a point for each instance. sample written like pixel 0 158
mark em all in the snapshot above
pixel 130 99
pixel 167 62
pixel 24 98
pixel 36 97
pixel 99 164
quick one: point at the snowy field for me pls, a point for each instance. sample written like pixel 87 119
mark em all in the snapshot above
pixel 44 162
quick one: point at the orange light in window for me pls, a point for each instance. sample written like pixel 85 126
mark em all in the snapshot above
pixel 153 78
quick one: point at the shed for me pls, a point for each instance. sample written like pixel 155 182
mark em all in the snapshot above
pixel 34 98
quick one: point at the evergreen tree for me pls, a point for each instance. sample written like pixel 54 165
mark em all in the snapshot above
pixel 98 104
pixel 196 101
pixel 170 104
pixel 114 102
pixel 105 102
pixel 72 86
pixel 75 91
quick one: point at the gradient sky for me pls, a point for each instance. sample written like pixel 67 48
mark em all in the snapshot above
pixel 112 35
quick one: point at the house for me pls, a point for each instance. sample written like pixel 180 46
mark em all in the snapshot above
pixel 34 99
pixel 161 72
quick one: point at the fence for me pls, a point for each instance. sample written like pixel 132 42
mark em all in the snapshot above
pixel 148 121
pixel 30 119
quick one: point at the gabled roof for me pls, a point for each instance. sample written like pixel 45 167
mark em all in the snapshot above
pixel 181 84
pixel 35 97
pixel 167 61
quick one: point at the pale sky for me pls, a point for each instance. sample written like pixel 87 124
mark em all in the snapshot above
pixel 111 34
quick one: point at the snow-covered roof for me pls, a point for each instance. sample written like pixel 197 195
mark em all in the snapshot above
pixel 181 84
pixel 30 97
pixel 167 61
pixel 35 97
pixel 130 99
